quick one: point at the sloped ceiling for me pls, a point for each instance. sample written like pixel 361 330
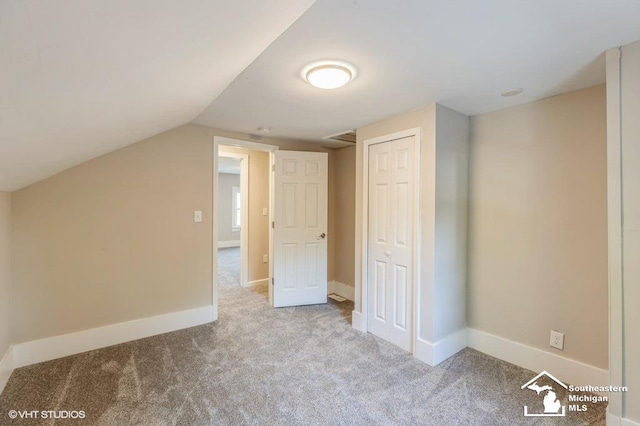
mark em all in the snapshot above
pixel 79 78
pixel 411 53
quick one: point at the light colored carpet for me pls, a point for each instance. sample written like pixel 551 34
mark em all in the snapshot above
pixel 263 366
pixel 229 267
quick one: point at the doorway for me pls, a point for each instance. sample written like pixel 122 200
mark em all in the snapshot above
pixel 254 244
pixel 296 183
pixel 233 224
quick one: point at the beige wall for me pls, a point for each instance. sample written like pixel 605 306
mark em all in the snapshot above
pixel 113 239
pixel 258 223
pixel 258 232
pixel 537 224
pixel 331 219
pixel 226 182
pixel 5 274
pixel 344 213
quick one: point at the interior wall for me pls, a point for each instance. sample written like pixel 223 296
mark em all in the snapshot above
pixel 113 239
pixel 331 219
pixel 5 274
pixel 538 224
pixel 443 183
pixel 623 144
pixel 424 118
pixel 630 113
pixel 226 182
pixel 258 232
pixel 451 208
pixel 345 216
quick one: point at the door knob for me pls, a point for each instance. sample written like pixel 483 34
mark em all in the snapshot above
pixel 387 253
pixel 321 236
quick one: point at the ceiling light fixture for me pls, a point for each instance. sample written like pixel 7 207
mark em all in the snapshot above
pixel 512 92
pixel 264 129
pixel 329 74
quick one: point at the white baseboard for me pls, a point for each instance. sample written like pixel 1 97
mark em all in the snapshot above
pixel 613 420
pixel 568 370
pixel 342 289
pixel 228 244
pixel 74 343
pixel 257 282
pixel 434 353
pixel 356 321
pixel 6 367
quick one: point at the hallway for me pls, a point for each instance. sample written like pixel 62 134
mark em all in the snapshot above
pixel 229 267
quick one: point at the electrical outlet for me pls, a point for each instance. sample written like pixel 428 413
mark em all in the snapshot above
pixel 265 258
pixel 557 340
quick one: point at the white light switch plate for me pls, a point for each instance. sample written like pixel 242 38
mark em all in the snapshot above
pixel 265 258
pixel 197 216
pixel 265 211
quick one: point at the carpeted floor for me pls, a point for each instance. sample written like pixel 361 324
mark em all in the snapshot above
pixel 229 267
pixel 263 366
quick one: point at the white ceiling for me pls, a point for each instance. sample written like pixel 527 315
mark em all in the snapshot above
pixel 460 53
pixel 229 165
pixel 80 78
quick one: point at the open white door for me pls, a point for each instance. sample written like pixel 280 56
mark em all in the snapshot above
pixel 300 228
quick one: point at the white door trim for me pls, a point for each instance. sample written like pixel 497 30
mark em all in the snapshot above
pixel 363 320
pixel 615 203
pixel 244 214
pixel 217 141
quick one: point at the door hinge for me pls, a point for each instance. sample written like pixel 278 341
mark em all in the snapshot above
pixel 272 281
pixel 273 225
pixel 273 167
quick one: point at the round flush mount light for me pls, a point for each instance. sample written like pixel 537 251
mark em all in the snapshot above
pixel 512 92
pixel 264 129
pixel 329 74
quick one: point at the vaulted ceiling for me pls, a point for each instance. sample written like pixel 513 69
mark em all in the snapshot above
pixel 80 78
pixel 85 77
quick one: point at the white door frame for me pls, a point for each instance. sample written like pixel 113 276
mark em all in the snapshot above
pixel 217 141
pixel 244 213
pixel 415 132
